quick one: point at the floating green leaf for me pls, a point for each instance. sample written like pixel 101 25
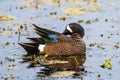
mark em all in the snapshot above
pixel 107 64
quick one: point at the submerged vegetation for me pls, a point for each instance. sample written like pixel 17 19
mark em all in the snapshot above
pixel 107 64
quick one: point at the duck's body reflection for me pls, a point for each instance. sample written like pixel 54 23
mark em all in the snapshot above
pixel 67 65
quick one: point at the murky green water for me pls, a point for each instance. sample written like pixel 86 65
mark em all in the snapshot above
pixel 102 35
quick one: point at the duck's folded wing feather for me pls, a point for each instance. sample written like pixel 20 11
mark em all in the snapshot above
pixel 37 40
pixel 49 34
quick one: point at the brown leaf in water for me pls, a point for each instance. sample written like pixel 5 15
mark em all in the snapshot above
pixel 78 11
pixel 6 17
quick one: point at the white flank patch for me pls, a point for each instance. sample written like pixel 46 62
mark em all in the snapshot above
pixel 69 29
pixel 41 47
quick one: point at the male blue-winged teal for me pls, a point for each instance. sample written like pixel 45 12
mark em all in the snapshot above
pixel 55 43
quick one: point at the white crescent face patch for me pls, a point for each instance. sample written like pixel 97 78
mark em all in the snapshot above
pixel 69 29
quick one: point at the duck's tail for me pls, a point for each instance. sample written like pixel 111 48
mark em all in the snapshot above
pixel 31 48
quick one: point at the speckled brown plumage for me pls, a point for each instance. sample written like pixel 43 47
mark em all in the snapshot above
pixel 73 45
pixel 59 44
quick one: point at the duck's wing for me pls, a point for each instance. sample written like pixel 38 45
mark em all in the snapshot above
pixel 37 40
pixel 46 35
pixel 41 31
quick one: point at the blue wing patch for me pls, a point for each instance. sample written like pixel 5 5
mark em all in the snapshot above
pixel 53 37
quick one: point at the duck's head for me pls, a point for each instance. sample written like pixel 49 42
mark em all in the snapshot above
pixel 74 28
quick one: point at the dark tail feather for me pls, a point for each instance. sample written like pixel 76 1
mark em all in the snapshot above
pixel 44 30
pixel 31 48
pixel 43 35
pixel 37 40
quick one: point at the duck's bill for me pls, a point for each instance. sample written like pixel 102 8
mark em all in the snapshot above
pixel 66 32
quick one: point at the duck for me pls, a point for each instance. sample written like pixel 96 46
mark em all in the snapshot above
pixel 54 43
